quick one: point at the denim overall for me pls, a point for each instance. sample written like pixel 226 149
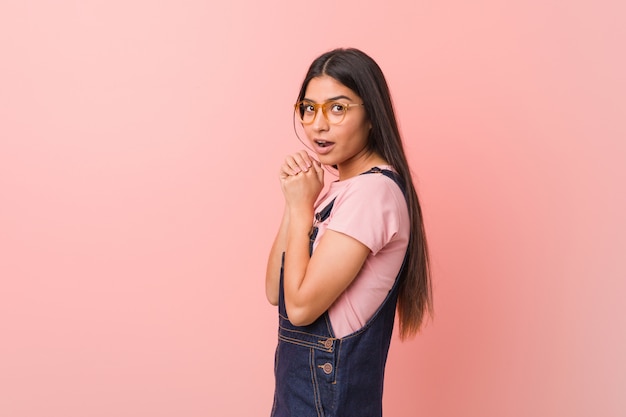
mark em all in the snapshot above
pixel 319 375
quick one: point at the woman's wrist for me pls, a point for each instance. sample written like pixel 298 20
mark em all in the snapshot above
pixel 300 213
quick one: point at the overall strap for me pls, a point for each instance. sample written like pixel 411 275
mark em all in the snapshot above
pixel 389 174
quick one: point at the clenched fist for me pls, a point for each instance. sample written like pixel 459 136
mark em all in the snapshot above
pixel 301 179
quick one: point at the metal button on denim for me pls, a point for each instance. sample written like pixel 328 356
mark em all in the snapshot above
pixel 327 368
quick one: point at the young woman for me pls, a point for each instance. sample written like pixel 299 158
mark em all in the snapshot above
pixel 340 264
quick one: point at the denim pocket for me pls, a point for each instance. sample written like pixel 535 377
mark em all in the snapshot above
pixel 300 336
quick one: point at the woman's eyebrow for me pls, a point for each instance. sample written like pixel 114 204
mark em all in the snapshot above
pixel 330 99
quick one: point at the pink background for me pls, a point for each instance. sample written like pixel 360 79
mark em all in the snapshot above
pixel 139 148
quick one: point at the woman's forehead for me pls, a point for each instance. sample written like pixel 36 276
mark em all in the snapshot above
pixel 324 88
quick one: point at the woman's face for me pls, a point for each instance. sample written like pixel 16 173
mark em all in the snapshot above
pixel 339 144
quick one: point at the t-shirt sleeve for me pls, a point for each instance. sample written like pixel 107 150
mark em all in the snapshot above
pixel 369 211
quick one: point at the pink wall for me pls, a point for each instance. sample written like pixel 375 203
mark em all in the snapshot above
pixel 139 145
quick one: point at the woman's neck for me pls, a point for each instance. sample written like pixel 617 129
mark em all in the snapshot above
pixel 359 164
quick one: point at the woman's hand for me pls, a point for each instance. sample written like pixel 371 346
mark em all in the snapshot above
pixel 301 179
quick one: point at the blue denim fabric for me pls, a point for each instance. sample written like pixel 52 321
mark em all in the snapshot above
pixel 319 375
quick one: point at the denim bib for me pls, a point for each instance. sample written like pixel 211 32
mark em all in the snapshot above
pixel 319 375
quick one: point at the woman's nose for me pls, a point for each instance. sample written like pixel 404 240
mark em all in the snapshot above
pixel 319 122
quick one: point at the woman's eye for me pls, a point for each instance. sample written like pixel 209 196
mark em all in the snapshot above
pixel 308 108
pixel 337 108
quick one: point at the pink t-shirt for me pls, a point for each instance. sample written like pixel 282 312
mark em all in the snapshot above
pixel 371 209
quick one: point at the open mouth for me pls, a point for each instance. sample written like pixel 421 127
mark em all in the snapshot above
pixel 323 143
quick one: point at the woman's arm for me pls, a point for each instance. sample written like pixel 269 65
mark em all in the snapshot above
pixel 272 276
pixel 313 283
pixel 293 165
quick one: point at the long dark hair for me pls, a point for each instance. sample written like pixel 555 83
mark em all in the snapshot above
pixel 361 74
